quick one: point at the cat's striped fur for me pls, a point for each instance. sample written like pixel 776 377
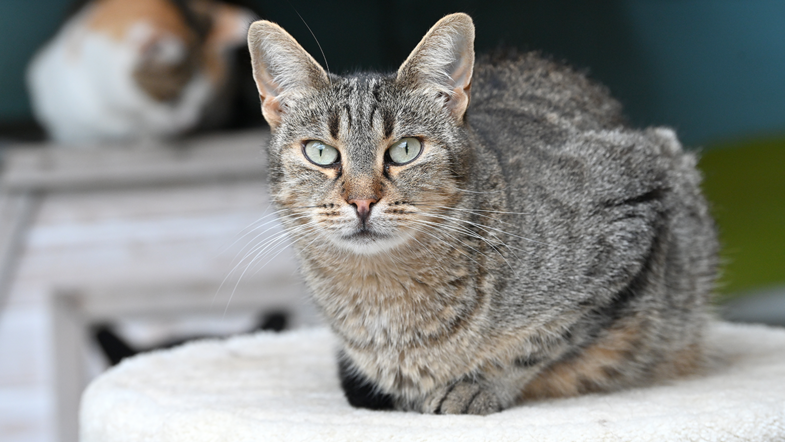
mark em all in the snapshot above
pixel 536 247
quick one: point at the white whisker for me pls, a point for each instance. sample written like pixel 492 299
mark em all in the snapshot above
pixel 460 229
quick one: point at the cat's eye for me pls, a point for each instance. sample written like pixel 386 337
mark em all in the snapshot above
pixel 404 150
pixel 320 154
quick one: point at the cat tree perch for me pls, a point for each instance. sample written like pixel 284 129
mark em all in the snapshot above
pixel 285 388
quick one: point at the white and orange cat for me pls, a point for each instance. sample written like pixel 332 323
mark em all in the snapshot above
pixel 134 69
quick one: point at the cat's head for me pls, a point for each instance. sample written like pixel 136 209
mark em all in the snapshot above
pixel 169 41
pixel 367 161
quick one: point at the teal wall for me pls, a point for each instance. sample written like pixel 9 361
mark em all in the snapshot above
pixel 716 67
pixel 713 69
pixel 24 26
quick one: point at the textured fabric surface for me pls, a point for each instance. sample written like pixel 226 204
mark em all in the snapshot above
pixel 284 387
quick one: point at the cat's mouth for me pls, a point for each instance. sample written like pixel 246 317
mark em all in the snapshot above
pixel 365 235
pixel 369 240
pixel 364 241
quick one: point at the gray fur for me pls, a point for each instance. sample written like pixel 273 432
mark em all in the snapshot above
pixel 538 247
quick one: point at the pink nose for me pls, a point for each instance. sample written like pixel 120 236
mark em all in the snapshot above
pixel 363 207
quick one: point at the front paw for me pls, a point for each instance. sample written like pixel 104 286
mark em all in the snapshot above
pixel 462 397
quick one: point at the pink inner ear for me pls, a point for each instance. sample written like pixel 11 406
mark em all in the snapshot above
pixel 459 102
pixel 272 109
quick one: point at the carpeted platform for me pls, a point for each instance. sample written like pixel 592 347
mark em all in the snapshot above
pixel 284 387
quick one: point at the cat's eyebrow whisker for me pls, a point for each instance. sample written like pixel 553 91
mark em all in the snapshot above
pixel 327 66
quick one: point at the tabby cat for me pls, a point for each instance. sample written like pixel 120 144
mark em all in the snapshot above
pixel 480 235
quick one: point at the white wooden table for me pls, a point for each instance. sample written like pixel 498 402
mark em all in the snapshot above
pixel 124 233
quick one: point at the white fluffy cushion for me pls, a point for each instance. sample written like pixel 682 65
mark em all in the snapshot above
pixel 284 387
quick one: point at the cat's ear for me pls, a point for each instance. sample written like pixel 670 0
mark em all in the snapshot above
pixel 444 62
pixel 282 69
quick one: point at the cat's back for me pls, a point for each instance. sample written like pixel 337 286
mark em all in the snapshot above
pixel 594 193
pixel 513 86
pixel 551 129
pixel 550 126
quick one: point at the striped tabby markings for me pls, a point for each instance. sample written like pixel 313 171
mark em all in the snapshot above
pixel 594 369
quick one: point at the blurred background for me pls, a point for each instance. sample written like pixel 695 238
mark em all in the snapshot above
pixel 158 218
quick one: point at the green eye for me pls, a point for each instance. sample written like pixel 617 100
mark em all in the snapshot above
pixel 404 150
pixel 320 153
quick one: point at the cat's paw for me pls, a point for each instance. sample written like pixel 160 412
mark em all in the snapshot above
pixel 462 397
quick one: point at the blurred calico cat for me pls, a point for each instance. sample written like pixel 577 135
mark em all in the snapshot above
pixel 135 69
pixel 483 234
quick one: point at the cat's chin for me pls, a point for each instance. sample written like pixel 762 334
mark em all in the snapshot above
pixel 368 242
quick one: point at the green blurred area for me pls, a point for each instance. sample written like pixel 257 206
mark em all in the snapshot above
pixel 744 182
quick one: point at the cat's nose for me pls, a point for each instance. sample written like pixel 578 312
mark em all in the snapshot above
pixel 363 207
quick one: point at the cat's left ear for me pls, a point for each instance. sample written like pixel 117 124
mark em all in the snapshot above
pixel 444 62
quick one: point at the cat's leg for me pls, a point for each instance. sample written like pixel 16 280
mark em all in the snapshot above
pixel 494 387
pixel 360 391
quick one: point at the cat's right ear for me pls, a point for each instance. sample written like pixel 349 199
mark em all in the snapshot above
pixel 282 69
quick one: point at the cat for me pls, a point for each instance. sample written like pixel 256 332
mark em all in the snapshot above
pixel 482 235
pixel 135 69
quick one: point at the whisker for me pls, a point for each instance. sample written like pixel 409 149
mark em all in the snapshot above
pixel 261 233
pixel 425 204
pixel 276 238
pixel 479 192
pixel 460 229
pixel 294 218
pixel 280 246
pixel 482 226
pixel 261 254
pixel 453 237
pixel 281 250
pixel 436 260
pixel 262 245
pixel 224 249
pixel 479 226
